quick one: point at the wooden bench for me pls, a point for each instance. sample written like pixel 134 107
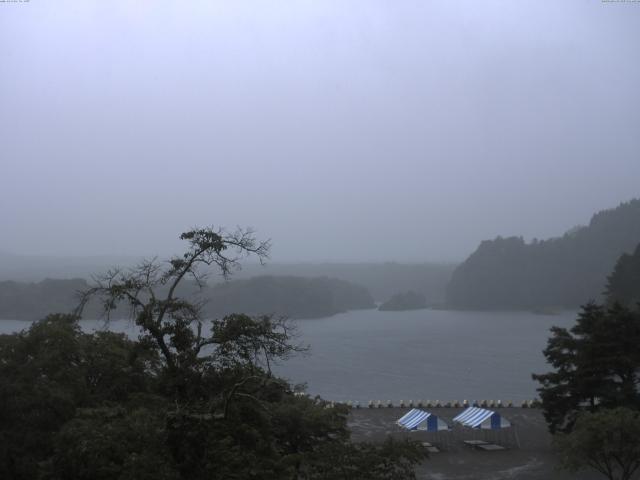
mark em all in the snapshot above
pixel 475 443
pixel 490 447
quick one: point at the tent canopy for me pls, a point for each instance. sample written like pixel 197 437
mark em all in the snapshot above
pixel 417 419
pixel 475 417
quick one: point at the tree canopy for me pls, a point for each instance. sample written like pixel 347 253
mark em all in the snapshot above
pixel 623 285
pixel 189 399
pixel 607 441
pixel 596 365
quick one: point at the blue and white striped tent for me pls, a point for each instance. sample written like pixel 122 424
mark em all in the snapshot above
pixel 417 419
pixel 475 417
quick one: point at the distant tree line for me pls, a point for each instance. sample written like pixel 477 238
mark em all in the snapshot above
pixel 295 297
pixel 404 301
pixel 508 273
pixel 382 280
pixel 32 301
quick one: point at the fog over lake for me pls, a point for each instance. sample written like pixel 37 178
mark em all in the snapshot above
pixel 423 354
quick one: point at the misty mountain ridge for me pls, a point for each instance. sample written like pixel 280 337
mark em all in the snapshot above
pixel 567 271
pixel 296 297
pixel 404 301
pixel 289 296
pixel 35 268
pixel 382 279
pixel 33 301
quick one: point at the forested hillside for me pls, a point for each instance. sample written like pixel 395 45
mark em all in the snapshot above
pixel 623 284
pixel 33 301
pixel 404 301
pixel 382 279
pixel 295 297
pixel 560 272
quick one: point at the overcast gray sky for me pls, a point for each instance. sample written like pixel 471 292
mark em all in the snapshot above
pixel 343 130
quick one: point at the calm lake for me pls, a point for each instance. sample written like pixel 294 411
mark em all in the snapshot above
pixel 424 354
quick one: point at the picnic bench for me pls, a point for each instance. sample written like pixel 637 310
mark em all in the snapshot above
pixel 482 445
pixel 490 447
pixel 475 443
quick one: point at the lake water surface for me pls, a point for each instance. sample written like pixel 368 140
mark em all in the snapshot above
pixel 424 354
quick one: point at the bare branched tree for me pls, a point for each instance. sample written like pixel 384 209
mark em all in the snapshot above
pixel 233 359
pixel 150 289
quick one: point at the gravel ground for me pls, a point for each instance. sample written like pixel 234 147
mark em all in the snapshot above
pixel 528 454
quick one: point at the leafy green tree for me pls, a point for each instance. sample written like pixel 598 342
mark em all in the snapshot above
pixel 390 460
pixel 596 365
pixel 113 442
pixel 623 285
pixel 607 441
pixel 52 370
